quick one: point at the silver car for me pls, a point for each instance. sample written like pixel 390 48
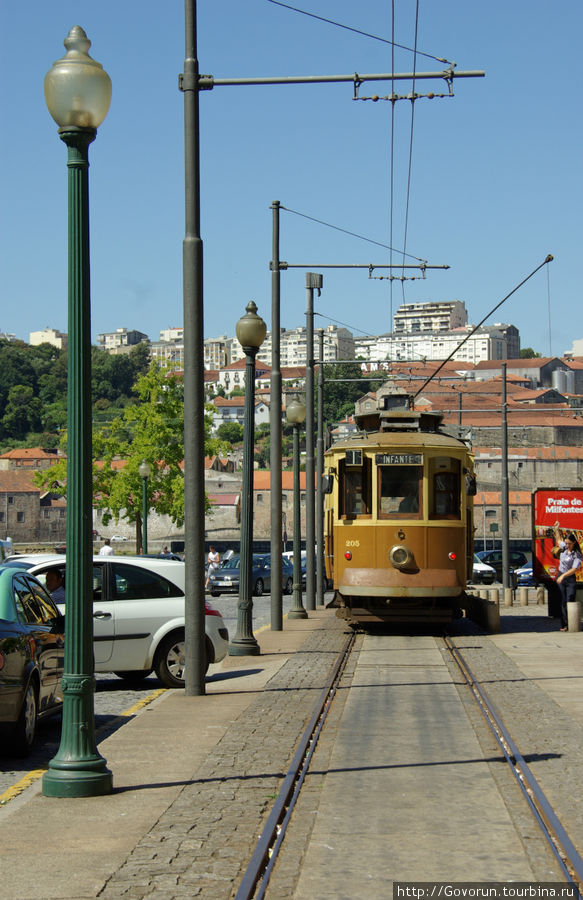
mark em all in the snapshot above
pixel 138 615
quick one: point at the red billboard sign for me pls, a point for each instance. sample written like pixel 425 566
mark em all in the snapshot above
pixel 554 508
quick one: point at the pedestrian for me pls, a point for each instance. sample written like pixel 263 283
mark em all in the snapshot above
pixel 55 585
pixel 213 559
pixel 107 549
pixel 569 562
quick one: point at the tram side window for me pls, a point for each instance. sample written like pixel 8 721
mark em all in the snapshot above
pixel 399 492
pixel 355 489
pixel 445 493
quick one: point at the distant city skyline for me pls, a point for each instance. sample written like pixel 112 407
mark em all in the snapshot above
pixel 495 180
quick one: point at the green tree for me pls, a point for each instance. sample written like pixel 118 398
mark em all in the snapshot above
pixel 231 432
pixel 343 386
pixel 152 430
pixel 23 411
pixel 529 353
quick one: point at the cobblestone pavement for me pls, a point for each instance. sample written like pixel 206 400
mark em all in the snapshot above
pixel 201 845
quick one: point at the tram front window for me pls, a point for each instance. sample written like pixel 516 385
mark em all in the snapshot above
pixel 400 491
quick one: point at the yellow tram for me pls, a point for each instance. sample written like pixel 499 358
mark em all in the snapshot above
pixel 399 517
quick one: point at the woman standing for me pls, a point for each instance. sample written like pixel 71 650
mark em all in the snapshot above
pixel 213 560
pixel 569 562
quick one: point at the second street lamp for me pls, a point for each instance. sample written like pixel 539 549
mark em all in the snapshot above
pixel 145 470
pixel 251 330
pixel 296 414
pixel 78 93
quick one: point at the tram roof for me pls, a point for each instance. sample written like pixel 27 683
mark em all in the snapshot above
pixel 417 439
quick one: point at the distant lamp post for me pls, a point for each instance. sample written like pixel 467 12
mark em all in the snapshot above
pixel 296 414
pixel 78 94
pixel 145 470
pixel 251 330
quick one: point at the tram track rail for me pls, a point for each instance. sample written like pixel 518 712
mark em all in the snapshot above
pixel 548 821
pixel 256 878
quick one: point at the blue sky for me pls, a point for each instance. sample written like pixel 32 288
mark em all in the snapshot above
pixel 496 176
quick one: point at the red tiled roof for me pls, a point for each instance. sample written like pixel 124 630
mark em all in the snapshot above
pixel 18 482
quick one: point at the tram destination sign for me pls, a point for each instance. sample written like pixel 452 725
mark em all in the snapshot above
pixel 399 459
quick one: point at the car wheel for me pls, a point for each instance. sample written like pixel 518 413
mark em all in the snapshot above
pixel 215 593
pixel 258 587
pixel 169 663
pixel 134 677
pixel 289 586
pixel 25 729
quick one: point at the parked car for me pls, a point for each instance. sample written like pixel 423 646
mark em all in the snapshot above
pixel 493 558
pixel 118 537
pixel 524 576
pixel 32 641
pixel 138 616
pixel 482 573
pixel 225 579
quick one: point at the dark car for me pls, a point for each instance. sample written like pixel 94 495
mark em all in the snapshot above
pixel 225 579
pixel 32 641
pixel 525 577
pixel 493 558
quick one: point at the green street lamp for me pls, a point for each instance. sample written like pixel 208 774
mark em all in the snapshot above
pixel 145 470
pixel 251 330
pixel 78 94
pixel 295 414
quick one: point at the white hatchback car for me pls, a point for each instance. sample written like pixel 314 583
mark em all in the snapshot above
pixel 138 615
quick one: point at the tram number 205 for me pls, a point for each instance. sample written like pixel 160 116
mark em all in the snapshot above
pixel 353 543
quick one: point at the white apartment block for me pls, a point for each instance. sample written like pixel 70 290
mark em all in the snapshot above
pixel 338 344
pixel 419 318
pixel 485 344
pixel 48 336
pixel 172 335
pixel 120 338
pixel 171 352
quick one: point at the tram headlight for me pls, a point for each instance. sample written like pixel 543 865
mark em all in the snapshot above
pixel 400 556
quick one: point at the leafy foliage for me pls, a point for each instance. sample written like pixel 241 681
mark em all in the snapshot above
pixel 151 429
pixel 33 389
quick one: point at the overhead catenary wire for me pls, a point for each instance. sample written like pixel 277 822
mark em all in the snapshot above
pixel 548 259
pixel 346 231
pixel 408 196
pixel 374 37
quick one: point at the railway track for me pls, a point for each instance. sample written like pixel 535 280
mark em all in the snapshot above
pixel 256 878
pixel 559 841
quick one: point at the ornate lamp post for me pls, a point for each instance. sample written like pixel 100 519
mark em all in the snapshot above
pixel 251 330
pixel 78 94
pixel 145 470
pixel 296 414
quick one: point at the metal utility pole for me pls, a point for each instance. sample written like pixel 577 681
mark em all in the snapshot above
pixel 320 571
pixel 313 282
pixel 275 426
pixel 192 262
pixel 504 485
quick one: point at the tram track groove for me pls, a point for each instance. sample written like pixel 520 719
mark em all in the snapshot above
pixel 256 878
pixel 547 819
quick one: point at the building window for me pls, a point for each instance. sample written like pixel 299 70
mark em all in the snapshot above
pixel 62 513
pixel 20 517
pixel 46 513
pixel 259 498
pixel 2 517
pixel 11 500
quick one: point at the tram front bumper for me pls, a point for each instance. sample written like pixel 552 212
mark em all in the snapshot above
pixel 392 582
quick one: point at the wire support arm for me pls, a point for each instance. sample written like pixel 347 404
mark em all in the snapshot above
pixel 208 82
